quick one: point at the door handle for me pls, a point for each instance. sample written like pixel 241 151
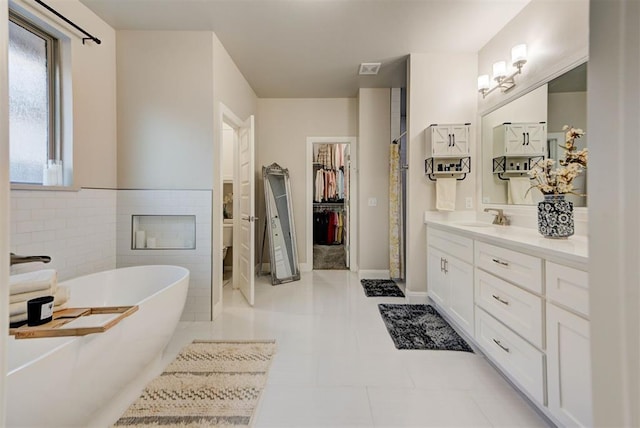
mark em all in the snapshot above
pixel 524 139
pixel 454 140
pixel 504 348
pixel 249 218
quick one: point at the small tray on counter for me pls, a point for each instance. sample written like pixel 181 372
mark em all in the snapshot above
pixel 58 326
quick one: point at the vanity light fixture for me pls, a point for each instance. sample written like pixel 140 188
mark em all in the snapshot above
pixel 503 80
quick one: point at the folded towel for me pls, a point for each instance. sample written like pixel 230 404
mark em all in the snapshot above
pixel 519 191
pixel 18 318
pixel 446 194
pixel 23 297
pixel 61 296
pixel 33 281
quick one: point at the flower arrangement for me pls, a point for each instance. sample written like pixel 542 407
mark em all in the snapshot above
pixel 559 181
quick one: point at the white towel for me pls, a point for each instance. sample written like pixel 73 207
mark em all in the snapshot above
pixel 23 297
pixel 62 296
pixel 33 281
pixel 446 194
pixel 519 191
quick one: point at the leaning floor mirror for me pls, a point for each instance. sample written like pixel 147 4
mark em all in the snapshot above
pixel 279 227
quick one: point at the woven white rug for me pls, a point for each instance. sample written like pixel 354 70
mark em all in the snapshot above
pixel 209 384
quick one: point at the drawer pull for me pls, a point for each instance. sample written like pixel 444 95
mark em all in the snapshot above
pixel 500 262
pixel 504 348
pixel 504 302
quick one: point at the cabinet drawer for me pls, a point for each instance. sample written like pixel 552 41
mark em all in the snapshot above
pixel 568 287
pixel 452 244
pixel 520 360
pixel 518 309
pixel 521 269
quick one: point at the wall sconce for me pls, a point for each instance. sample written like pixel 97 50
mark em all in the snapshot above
pixel 503 80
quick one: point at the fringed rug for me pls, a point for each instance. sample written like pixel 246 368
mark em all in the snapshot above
pixel 420 327
pixel 381 288
pixel 209 384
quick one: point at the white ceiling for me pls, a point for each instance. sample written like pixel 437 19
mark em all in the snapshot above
pixel 313 48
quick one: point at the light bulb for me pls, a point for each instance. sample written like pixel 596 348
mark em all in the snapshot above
pixel 499 70
pixel 483 82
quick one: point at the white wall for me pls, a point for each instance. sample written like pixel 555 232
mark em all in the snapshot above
pixel 441 89
pixel 4 204
pixel 283 128
pixel 374 138
pixel 556 34
pixel 614 202
pixel 165 109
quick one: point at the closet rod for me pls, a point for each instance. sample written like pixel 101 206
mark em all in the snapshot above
pixel 65 19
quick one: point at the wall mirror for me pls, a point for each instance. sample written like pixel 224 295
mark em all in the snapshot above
pixel 546 109
pixel 279 227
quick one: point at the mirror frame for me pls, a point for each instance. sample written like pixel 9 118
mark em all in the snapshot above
pixel 580 213
pixel 275 170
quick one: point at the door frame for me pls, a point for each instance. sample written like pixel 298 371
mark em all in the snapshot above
pixel 353 199
pixel 225 115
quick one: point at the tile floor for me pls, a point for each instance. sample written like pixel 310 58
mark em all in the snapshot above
pixel 336 365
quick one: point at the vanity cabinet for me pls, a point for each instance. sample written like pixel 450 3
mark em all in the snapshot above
pixel 447 140
pixel 450 276
pixel 520 139
pixel 529 314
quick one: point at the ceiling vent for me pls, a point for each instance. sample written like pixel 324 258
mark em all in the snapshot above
pixel 369 68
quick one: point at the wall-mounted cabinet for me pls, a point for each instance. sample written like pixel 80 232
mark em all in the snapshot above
pixel 447 151
pixel 448 140
pixel 520 139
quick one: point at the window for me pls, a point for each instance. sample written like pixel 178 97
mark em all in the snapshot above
pixel 33 102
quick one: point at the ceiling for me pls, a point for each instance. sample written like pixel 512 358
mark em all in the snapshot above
pixel 313 48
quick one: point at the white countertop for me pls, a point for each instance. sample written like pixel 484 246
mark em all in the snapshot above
pixel 572 250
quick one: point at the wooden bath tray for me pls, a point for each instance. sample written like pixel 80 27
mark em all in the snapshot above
pixel 56 327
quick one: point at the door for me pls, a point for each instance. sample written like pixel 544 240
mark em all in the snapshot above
pixel 460 140
pixel 246 257
pixel 568 367
pixel 441 140
pixel 460 279
pixel 346 226
pixel 436 280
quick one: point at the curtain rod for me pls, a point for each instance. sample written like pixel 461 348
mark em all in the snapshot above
pixel 65 19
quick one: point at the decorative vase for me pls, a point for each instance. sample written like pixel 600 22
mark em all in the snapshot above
pixel 555 217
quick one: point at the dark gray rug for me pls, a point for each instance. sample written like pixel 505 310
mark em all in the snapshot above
pixel 329 257
pixel 381 288
pixel 420 327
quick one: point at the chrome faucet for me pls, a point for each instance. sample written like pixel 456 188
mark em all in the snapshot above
pixel 500 218
pixel 15 259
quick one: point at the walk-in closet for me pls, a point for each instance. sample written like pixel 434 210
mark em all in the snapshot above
pixel 330 206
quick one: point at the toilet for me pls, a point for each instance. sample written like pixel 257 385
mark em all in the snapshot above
pixel 227 236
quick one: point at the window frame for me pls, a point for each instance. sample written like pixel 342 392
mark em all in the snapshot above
pixel 54 140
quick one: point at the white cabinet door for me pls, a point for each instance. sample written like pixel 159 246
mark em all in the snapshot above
pixel 522 139
pixel 568 367
pixel 460 303
pixel 448 140
pixel 436 279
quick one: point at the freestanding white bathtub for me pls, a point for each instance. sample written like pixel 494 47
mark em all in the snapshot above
pixel 62 382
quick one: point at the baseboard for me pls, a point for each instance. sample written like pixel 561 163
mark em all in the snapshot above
pixel 217 311
pixel 416 297
pixel 373 274
pixel 305 267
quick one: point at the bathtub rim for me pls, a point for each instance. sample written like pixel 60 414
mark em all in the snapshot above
pixel 66 341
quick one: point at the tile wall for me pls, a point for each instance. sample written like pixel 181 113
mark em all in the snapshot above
pixel 198 260
pixel 76 229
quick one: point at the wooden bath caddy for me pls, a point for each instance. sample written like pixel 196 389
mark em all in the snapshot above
pixel 56 327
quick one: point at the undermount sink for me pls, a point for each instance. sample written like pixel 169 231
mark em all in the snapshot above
pixel 474 224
